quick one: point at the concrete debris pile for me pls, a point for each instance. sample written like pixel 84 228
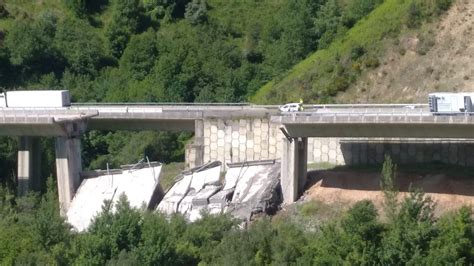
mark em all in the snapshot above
pixel 257 189
pixel 193 187
pixel 140 183
pixel 248 188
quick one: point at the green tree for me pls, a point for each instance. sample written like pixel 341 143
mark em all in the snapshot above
pixel 388 186
pixel 81 47
pixel 8 149
pixel 358 9
pixel 30 43
pixel 354 239
pixel 110 233
pixel 125 22
pixel 409 231
pixel 139 57
pixel 202 236
pixel 158 243
pixel 455 239
pixel 76 6
pixel 196 12
pixel 327 23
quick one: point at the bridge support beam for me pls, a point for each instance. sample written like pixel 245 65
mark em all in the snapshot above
pixel 29 165
pixel 293 168
pixel 68 168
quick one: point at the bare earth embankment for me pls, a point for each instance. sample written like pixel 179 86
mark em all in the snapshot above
pixel 439 57
pixel 347 187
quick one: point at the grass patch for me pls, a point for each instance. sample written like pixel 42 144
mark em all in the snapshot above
pixel 169 172
pixel 310 215
pixel 316 208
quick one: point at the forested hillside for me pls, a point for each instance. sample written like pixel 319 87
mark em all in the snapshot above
pixel 158 51
pixel 266 51
pixel 263 51
pixel 352 52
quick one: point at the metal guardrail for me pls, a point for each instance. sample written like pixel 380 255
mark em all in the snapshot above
pixel 361 111
pixel 377 117
pixel 159 104
pixel 41 115
pixel 144 108
pixel 357 106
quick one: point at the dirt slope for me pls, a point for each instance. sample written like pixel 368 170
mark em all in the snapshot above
pixel 331 186
pixel 440 57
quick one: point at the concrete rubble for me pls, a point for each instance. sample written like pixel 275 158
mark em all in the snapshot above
pixel 192 183
pixel 140 183
pixel 248 188
pixel 257 189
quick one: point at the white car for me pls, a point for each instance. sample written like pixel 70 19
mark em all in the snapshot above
pixel 290 107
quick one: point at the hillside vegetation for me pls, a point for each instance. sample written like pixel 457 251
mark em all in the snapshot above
pixel 33 233
pixel 355 51
pixel 208 51
pixel 264 51
pixel 158 51
pixel 438 57
pixel 154 50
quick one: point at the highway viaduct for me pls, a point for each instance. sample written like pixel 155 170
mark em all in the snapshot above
pixel 229 133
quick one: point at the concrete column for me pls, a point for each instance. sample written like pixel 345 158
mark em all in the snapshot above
pixel 195 150
pixel 302 163
pixel 29 165
pixel 68 168
pixel 293 168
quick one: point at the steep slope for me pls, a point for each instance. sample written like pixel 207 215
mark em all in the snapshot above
pixel 330 72
pixel 440 58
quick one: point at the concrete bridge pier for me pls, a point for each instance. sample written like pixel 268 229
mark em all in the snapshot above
pixel 29 165
pixel 195 150
pixel 293 167
pixel 68 168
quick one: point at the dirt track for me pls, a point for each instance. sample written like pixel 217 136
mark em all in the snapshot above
pixel 332 186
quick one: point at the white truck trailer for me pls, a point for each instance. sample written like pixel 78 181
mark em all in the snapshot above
pixel 451 102
pixel 40 98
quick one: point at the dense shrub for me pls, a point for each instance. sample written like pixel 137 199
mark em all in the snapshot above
pixel 33 232
pixel 82 49
pixel 139 57
pixel 125 22
pixel 30 42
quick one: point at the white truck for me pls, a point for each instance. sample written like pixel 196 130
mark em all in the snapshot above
pixel 451 102
pixel 39 98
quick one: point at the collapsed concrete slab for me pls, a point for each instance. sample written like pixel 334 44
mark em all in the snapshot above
pixel 140 185
pixel 248 188
pixel 257 189
pixel 219 201
pixel 180 197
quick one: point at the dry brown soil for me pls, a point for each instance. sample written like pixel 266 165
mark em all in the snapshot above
pixel 438 57
pixel 336 186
